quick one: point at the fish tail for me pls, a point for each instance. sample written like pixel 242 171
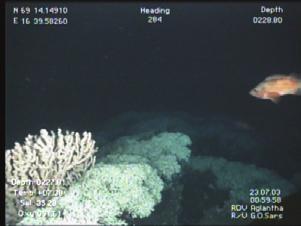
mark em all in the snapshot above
pixel 297 78
pixel 298 92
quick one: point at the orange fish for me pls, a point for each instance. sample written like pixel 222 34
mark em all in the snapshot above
pixel 275 86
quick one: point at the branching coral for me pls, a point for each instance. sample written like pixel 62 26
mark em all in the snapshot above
pixel 45 161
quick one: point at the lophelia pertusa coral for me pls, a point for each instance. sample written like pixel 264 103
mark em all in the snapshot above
pixel 42 166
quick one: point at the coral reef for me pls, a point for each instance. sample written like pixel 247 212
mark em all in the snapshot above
pixel 139 176
pixel 104 194
pixel 124 186
pixel 164 151
pixel 44 162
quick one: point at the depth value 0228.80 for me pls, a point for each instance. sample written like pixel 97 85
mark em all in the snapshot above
pixel 267 20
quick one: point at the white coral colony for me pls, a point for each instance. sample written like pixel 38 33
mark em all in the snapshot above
pixel 44 161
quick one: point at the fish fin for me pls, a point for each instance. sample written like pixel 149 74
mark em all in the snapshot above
pixel 275 97
pixel 275 100
pixel 298 92
pixel 274 77
pixel 279 76
pixel 295 76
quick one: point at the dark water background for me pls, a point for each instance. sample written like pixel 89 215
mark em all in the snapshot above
pixel 203 59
